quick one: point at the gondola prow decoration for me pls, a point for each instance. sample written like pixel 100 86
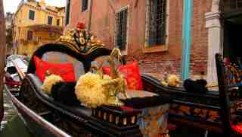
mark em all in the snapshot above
pixel 81 41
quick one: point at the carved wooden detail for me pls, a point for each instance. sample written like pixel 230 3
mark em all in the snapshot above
pixel 28 97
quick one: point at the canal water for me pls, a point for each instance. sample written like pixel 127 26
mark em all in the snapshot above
pixel 9 111
pixel 12 125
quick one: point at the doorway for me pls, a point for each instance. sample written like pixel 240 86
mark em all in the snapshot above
pixel 232 27
pixel 233 36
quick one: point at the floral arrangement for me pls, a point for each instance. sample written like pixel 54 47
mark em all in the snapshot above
pixel 171 80
pixel 89 89
pixel 49 82
pixel 97 89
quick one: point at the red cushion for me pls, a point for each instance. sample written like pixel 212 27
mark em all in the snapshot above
pixel 131 74
pixel 237 128
pixel 65 70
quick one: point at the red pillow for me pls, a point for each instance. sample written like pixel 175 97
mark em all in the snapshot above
pixel 65 70
pixel 131 74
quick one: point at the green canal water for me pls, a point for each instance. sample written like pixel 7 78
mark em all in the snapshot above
pixel 15 128
pixel 12 125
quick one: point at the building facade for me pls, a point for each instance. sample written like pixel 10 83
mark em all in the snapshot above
pixel 150 31
pixel 36 23
pixel 9 20
pixel 9 31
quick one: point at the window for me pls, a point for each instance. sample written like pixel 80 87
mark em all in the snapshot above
pixel 50 20
pixel 84 5
pixel 232 4
pixel 31 14
pixel 30 35
pixel 58 22
pixel 121 36
pixel 156 23
pixel 68 4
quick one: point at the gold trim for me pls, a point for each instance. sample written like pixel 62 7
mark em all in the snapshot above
pixel 111 118
pixel 105 116
pixel 133 118
pixel 80 41
pixel 125 121
pixel 117 120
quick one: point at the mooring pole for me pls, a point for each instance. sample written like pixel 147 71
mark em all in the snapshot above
pixel 186 39
pixel 2 56
pixel 90 17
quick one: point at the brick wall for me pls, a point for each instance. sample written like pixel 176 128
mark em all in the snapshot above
pixel 199 49
pixel 168 61
pixel 103 26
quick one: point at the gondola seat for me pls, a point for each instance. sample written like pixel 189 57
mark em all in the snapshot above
pixel 107 120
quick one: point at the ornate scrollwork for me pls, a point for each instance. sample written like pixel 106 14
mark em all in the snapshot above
pixel 234 74
pixel 80 40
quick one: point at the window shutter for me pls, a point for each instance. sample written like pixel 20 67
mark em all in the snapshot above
pixel 121 37
pixel 157 22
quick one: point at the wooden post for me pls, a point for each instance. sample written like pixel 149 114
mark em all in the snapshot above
pixel 2 56
pixel 90 17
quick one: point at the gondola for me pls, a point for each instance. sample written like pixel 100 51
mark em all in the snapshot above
pixel 190 109
pixel 199 110
pixel 11 78
pixel 44 115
